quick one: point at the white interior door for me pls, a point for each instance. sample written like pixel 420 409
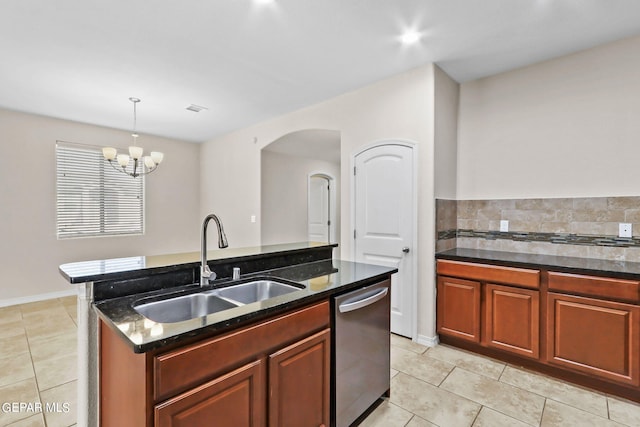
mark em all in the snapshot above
pixel 319 209
pixel 384 222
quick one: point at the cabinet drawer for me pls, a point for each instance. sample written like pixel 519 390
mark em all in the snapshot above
pixel 490 273
pixel 626 290
pixel 188 367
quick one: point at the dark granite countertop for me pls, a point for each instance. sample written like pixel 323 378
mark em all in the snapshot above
pixel 130 267
pixel 598 267
pixel 321 280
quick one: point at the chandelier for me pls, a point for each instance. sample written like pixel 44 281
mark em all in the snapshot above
pixel 142 165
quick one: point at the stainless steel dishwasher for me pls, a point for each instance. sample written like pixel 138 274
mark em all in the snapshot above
pixel 361 348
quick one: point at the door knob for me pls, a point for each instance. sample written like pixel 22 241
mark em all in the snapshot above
pixel 405 249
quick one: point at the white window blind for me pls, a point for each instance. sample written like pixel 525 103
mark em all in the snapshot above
pixel 93 199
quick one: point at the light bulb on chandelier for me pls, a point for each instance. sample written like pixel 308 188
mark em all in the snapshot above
pixel 142 165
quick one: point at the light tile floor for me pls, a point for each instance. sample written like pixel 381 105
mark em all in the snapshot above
pixel 440 386
pixel 447 387
pixel 38 365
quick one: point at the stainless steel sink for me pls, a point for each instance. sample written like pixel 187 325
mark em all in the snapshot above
pixel 184 307
pixel 257 290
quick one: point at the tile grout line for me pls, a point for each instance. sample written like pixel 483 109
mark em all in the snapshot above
pixel 544 408
pixel 476 417
pixel 33 366
pixel 447 376
pixel 409 422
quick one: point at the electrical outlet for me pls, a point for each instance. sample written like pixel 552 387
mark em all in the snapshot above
pixel 624 230
pixel 504 225
pixel 253 218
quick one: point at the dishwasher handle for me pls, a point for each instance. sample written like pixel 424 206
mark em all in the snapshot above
pixel 355 305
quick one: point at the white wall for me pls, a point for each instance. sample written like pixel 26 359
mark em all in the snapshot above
pixel 569 127
pixel 284 195
pixel 400 107
pixel 29 250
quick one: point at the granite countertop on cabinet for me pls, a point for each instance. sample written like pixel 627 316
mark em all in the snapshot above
pixel 597 267
pixel 141 266
pixel 321 280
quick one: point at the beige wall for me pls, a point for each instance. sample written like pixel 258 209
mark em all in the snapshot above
pixel 568 127
pixel 400 107
pixel 284 195
pixel 447 93
pixel 30 252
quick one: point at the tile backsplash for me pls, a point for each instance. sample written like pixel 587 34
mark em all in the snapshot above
pixel 583 227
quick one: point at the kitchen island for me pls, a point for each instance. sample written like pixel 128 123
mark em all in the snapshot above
pixel 110 326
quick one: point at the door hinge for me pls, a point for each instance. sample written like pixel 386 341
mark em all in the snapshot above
pixel 328 222
pixel 354 171
pixel 354 234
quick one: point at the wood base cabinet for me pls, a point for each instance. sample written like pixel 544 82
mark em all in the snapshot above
pixel 273 373
pixel 493 306
pixel 512 320
pixel 458 312
pixel 307 362
pixel 579 327
pixel 239 399
pixel 593 336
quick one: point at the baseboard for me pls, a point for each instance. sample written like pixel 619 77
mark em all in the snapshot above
pixel 428 341
pixel 38 297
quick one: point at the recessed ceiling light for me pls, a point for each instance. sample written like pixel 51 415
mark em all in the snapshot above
pixel 410 37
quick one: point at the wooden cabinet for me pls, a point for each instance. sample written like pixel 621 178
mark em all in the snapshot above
pixel 458 308
pixel 296 378
pixel 275 372
pixel 494 306
pixel 299 383
pixel 594 336
pixel 512 319
pixel 578 327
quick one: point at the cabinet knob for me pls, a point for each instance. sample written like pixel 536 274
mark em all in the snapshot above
pixel 405 249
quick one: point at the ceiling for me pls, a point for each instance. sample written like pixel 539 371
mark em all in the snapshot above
pixel 246 61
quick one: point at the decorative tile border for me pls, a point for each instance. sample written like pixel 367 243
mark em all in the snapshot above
pixel 448 234
pixel 557 238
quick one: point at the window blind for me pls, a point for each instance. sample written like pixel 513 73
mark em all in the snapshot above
pixel 93 199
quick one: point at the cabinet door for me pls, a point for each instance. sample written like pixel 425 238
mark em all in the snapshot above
pixel 512 320
pixel 458 308
pixel 597 337
pixel 299 383
pixel 236 399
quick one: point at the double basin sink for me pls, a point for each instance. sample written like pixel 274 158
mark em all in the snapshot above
pixel 185 307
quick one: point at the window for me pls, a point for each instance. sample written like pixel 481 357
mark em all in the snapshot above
pixel 93 199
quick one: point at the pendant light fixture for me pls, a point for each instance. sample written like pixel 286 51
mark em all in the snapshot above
pixel 142 165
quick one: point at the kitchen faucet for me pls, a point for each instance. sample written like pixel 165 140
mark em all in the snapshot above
pixel 206 275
